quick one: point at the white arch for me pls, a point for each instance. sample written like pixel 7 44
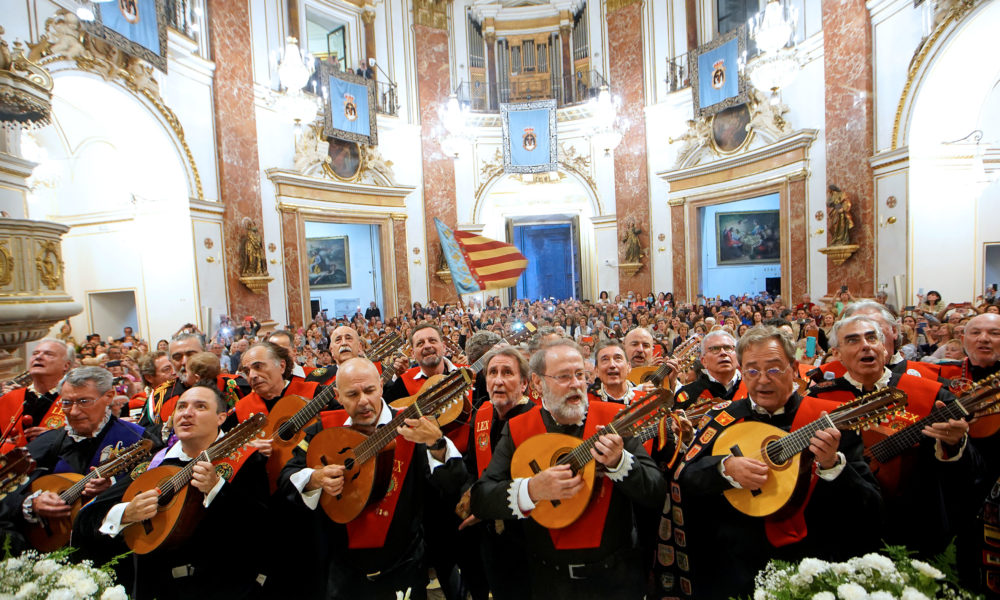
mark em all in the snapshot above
pixel 500 176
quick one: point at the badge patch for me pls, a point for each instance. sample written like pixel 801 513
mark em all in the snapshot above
pixel 829 375
pixel 139 469
pixel 719 74
pixel 724 418
pixel 129 10
pixel 675 491
pixel 666 529
pixel 680 539
pixel 665 554
pixel 686 585
pixel 721 405
pixel 682 561
pixel 692 452
pixel 678 516
pixel 667 581
pixel 484 440
pixel 707 435
pixel 225 471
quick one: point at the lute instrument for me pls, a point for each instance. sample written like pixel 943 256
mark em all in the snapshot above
pixel 383 346
pixel 286 424
pixel 540 452
pixel 685 355
pixel 456 410
pixel 388 368
pixel 179 509
pixel 15 467
pixel 53 533
pixel 781 450
pixel 363 458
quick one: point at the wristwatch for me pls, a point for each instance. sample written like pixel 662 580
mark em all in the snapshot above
pixel 438 445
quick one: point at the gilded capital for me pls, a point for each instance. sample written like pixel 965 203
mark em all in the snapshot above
pixel 368 15
pixel 431 13
pixel 614 5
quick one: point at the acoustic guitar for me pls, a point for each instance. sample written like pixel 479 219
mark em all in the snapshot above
pixel 388 368
pixel 781 450
pixel 53 533
pixel 383 346
pixel 540 452
pixel 286 425
pixel 456 410
pixel 179 510
pixel 366 466
pixel 884 446
pixel 685 355
pixel 15 467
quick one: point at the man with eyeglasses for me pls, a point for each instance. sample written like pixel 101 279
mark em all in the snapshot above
pixel 721 376
pixel 597 555
pixel 90 436
pixel 711 550
pixel 913 489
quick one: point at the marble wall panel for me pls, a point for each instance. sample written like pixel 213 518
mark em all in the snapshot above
pixel 847 61
pixel 798 256
pixel 625 53
pixel 402 265
pixel 678 252
pixel 293 269
pixel 236 143
pixel 438 169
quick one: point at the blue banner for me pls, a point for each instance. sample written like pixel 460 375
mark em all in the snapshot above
pixel 461 276
pixel 135 20
pixel 718 74
pixel 529 137
pixel 349 106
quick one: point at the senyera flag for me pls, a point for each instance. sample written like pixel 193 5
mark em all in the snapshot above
pixel 478 263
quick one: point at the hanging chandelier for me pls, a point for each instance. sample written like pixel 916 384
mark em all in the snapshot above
pixel 606 133
pixel 776 64
pixel 293 102
pixel 454 122
pixel 25 89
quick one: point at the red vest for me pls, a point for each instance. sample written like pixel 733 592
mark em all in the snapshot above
pixel 369 529
pixel 587 531
pixel 925 369
pixel 920 395
pixel 11 411
pixel 484 450
pixel 252 403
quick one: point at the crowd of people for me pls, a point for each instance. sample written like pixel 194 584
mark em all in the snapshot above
pixel 656 519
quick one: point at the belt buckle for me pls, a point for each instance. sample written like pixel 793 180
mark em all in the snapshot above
pixel 182 571
pixel 571 570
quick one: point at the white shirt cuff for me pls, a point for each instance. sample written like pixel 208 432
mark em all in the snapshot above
pixel 450 452
pixel 518 498
pixel 112 524
pixel 28 507
pixel 300 479
pixel 834 471
pixel 722 471
pixel 212 493
pixel 939 450
pixel 623 468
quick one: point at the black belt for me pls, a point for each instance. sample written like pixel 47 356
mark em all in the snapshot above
pixel 589 570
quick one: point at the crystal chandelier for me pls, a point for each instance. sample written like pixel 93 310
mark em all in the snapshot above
pixel 294 70
pixel 453 118
pixel 776 65
pixel 606 135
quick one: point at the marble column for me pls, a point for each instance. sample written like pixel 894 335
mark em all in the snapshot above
pixel 678 250
pixel 236 143
pixel 490 37
pixel 565 35
pixel 847 60
pixel 631 181
pixel 401 258
pixel 430 36
pixel 291 265
pixel 798 227
pixel 368 18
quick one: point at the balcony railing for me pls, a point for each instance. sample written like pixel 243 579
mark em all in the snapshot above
pixel 574 89
pixel 678 75
pixel 386 98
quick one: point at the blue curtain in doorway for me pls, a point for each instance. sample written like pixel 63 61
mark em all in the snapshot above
pixel 549 250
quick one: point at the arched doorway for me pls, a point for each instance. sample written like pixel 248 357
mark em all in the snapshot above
pixel 110 170
pixel 550 218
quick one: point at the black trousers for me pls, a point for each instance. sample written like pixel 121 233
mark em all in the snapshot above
pixel 620 576
pixel 505 562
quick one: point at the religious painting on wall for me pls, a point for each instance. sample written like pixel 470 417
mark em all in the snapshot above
pixel 717 81
pixel 345 159
pixel 329 262
pixel 349 106
pixel 136 27
pixel 729 128
pixel 529 137
pixel 747 237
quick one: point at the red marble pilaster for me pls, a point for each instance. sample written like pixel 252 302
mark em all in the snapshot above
pixel 798 256
pixel 678 252
pixel 625 53
pixel 847 60
pixel 292 267
pixel 402 260
pixel 236 142
pixel 431 47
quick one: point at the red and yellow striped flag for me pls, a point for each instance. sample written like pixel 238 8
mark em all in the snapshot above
pixel 489 263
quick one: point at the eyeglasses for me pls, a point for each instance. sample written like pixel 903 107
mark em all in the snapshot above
pixel 727 348
pixel 567 378
pixel 772 372
pixel 82 403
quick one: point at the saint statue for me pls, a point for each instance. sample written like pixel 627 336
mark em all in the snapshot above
pixel 253 251
pixel 633 249
pixel 839 217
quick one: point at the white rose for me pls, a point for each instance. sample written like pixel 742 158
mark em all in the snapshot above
pixel 61 594
pixel 851 591
pixel 881 595
pixel 85 586
pixel 46 566
pixel 759 594
pixel 114 593
pixel 27 590
pixel 878 562
pixel 842 568
pixel 912 594
pixel 824 596
pixel 13 564
pixel 811 567
pixel 926 569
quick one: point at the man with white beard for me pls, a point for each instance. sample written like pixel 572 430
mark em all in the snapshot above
pixel 597 555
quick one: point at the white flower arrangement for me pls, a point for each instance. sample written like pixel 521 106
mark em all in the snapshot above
pixel 892 575
pixel 34 576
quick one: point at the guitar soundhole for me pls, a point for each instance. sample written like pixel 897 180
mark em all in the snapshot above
pixel 773 451
pixel 166 496
pixel 349 464
pixel 284 433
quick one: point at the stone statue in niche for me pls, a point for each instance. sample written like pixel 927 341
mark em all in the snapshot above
pixel 253 250
pixel 633 248
pixel 839 217
pixel 768 117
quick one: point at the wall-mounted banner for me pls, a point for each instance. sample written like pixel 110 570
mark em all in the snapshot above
pixel 349 113
pixel 529 137
pixel 715 71
pixel 136 27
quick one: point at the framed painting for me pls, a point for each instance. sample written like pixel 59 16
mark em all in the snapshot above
pixel 136 27
pixel 729 129
pixel 747 237
pixel 349 106
pixel 345 159
pixel 529 137
pixel 717 82
pixel 329 262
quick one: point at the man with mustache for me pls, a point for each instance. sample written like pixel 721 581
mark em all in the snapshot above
pixel 428 351
pixel 721 376
pixel 381 551
pixel 596 556
pixel 27 412
pixel 345 344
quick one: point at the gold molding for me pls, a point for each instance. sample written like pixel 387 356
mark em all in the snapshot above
pixel 50 269
pixel 613 5
pixel 6 264
pixel 676 201
pixel 310 193
pixel 431 13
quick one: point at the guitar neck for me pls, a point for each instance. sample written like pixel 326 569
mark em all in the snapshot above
pixel 131 456
pixel 232 441
pixel 630 422
pixel 783 449
pixel 306 413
